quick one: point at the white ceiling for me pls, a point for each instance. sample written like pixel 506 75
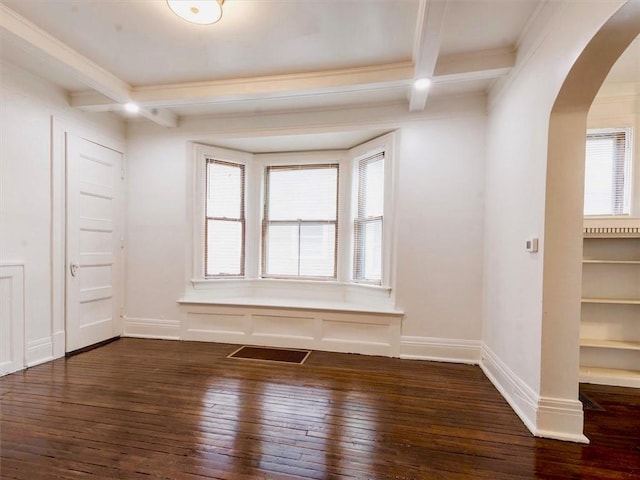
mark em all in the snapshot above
pixel 472 25
pixel 144 43
pixel 263 56
pixel 267 56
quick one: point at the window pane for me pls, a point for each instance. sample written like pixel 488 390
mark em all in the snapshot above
pixel 281 252
pixel 369 218
pixel 224 247
pixel 607 173
pixel 303 193
pixel 372 188
pixel 369 250
pixel 224 190
pixel 302 196
pixel 317 250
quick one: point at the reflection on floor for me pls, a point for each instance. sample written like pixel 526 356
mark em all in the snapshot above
pixel 147 409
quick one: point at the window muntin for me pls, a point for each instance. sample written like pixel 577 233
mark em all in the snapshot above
pixel 224 219
pixel 300 224
pixel 368 223
pixel 607 173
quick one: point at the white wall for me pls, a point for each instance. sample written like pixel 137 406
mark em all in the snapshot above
pixel 439 217
pixel 534 364
pixel 158 229
pixel 28 105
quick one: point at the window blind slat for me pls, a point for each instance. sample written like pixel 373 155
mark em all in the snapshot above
pixel 368 224
pixel 607 174
pixel 224 219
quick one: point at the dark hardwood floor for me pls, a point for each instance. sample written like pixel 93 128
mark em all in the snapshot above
pixel 150 409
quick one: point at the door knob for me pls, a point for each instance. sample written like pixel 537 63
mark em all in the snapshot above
pixel 73 267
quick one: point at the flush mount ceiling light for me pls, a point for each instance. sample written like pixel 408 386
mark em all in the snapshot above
pixel 202 12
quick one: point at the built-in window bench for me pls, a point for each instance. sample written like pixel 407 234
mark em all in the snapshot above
pixel 339 326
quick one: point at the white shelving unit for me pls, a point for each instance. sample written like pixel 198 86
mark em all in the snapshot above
pixel 610 326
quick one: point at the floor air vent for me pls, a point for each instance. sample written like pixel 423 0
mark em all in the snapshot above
pixel 268 354
pixel 589 404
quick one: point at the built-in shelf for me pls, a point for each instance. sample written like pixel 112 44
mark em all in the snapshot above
pixel 610 281
pixel 613 262
pixel 617 344
pixel 619 301
pixel 610 376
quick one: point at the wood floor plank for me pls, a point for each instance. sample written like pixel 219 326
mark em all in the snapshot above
pixel 155 409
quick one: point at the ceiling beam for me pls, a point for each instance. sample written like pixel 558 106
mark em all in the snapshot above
pixel 92 101
pixel 476 61
pixel 269 86
pixel 109 93
pixel 395 73
pixel 477 65
pixel 426 47
pixel 111 90
pixel 163 117
pixel 84 69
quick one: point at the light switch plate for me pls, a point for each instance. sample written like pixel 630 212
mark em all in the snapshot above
pixel 532 245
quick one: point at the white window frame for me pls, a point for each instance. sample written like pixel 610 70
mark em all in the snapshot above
pixel 255 165
pixel 629 168
pixel 385 144
pixel 201 154
pixel 266 223
pixel 309 158
pixel 240 219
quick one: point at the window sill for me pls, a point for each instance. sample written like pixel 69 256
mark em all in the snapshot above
pixel 291 304
pixel 292 294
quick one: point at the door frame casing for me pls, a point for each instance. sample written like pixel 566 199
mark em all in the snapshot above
pixel 59 130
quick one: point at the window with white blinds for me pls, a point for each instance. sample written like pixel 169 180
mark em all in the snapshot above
pixel 368 223
pixel 300 223
pixel 607 173
pixel 224 219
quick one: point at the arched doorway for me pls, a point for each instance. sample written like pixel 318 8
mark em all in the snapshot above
pixel 534 188
pixel 562 270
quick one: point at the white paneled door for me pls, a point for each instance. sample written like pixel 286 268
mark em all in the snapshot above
pixel 94 243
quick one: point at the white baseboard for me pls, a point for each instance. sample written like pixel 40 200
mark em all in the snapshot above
pixel 59 344
pixel 523 400
pixel 12 318
pixel 152 328
pixel 560 419
pixel 39 351
pixel 440 349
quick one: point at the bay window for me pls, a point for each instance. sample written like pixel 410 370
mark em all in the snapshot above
pixel 304 216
